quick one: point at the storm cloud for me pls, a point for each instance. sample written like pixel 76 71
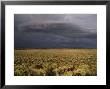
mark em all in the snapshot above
pixel 55 30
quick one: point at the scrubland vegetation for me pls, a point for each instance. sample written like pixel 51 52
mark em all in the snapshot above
pixel 55 62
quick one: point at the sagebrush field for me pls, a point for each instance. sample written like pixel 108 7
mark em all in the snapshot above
pixel 55 62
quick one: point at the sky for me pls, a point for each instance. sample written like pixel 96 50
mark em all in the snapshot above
pixel 55 31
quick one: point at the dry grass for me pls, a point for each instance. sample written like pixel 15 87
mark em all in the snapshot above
pixel 55 62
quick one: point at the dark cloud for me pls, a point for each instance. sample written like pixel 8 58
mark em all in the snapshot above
pixel 55 31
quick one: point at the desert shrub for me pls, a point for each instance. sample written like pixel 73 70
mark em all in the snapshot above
pixel 21 71
pixel 55 71
pixel 38 66
pixel 68 73
pixel 37 72
pixel 82 70
pixel 50 70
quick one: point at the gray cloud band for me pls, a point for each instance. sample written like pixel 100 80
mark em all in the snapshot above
pixel 55 31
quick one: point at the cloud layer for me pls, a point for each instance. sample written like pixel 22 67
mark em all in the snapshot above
pixel 55 31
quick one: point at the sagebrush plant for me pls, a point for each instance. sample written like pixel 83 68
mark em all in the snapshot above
pixel 55 62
